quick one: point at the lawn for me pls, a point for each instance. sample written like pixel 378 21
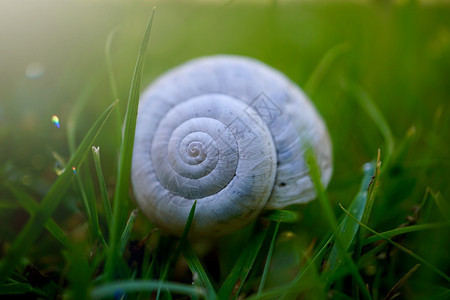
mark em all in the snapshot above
pixel 377 71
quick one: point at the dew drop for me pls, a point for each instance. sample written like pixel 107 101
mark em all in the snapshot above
pixel 58 168
pixel 34 70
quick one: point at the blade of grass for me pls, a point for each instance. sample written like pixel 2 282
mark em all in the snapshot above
pixel 425 206
pixel 371 192
pixel 112 289
pixel 368 256
pixel 347 228
pixel 377 282
pixel 31 206
pixel 403 230
pixel 341 296
pixel 297 284
pixel 89 203
pixel 79 273
pixel 197 268
pixel 303 286
pixel 112 81
pixel 127 231
pixel 282 216
pixel 20 289
pixel 173 258
pixel 126 150
pixel 84 199
pixel 442 296
pixel 109 64
pixel 400 283
pixel 312 262
pixel 268 258
pixel 146 269
pixel 328 241
pixel 365 101
pixel 323 66
pixel 185 233
pixel 80 103
pixel 34 226
pixel 7 204
pixel 89 187
pixel 442 205
pixel 233 284
pixel 329 215
pixel 420 259
pixel 404 146
pixel 102 184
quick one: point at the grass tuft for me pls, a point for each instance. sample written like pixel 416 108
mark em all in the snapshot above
pixel 411 253
pixel 35 225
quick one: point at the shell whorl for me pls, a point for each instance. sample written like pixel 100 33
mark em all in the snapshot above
pixel 229 132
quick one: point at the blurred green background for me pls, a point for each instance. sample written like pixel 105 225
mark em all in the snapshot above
pixel 52 58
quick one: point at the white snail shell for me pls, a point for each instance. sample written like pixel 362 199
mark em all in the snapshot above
pixel 229 132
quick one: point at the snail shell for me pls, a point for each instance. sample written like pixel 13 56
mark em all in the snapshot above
pixel 229 132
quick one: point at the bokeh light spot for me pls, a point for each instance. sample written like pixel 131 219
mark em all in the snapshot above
pixel 55 121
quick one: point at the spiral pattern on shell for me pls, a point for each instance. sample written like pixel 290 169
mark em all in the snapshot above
pixel 230 133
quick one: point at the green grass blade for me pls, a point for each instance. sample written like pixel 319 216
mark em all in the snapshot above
pixel 311 263
pixel 197 268
pixel 329 215
pixel 89 187
pixel 442 296
pixel 442 205
pixel 371 192
pixel 344 226
pixel 80 103
pixel 84 198
pixel 79 273
pixel 365 101
pixel 101 181
pixel 19 289
pixel 282 216
pixel 420 259
pixel 7 204
pixel 31 206
pixel 298 283
pixel 274 293
pixel 127 231
pixel 187 228
pixel 109 64
pixel 35 225
pixel 126 150
pixel 323 199
pixel 324 65
pixel 173 258
pixel 404 146
pixel 403 230
pixel 233 284
pixel 113 289
pixel 368 256
pixel 112 81
pixel 426 206
pixel 88 196
pixel 393 292
pixel 348 229
pixel 269 258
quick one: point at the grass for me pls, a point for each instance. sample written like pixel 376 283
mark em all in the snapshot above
pixel 376 72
